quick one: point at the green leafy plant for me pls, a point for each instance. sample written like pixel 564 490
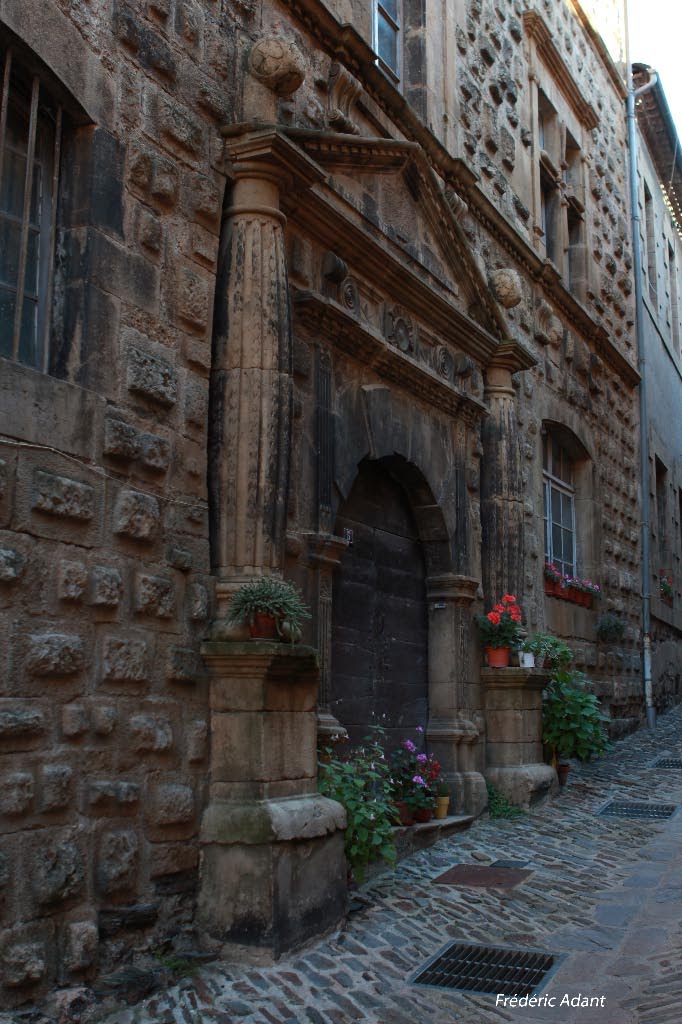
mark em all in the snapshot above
pixel 501 627
pixel 499 806
pixel 553 650
pixel 361 782
pixel 610 628
pixel 270 595
pixel 572 722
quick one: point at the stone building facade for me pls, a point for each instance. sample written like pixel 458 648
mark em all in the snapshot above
pixel 284 307
pixel 659 188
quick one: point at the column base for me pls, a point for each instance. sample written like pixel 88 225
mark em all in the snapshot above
pixel 523 784
pixel 273 873
pixel 469 795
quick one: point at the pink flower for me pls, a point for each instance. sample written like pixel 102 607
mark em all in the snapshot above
pixel 409 745
pixel 418 779
pixel 421 758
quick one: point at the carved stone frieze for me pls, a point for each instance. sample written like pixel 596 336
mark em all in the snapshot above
pixel 399 329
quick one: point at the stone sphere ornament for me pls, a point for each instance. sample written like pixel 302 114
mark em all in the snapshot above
pixel 278 64
pixel 506 287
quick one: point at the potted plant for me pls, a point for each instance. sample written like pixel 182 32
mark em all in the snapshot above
pixel 548 650
pixel 500 631
pixel 442 799
pixel 272 608
pixel 665 587
pixel 610 628
pixel 413 776
pixel 572 723
pixel 552 579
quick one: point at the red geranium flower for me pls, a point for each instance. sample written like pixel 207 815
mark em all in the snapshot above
pixel 494 618
pixel 508 599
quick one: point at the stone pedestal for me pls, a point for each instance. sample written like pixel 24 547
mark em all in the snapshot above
pixel 513 702
pixel 273 871
pixel 452 734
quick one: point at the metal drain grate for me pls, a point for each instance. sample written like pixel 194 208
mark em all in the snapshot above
pixel 486 876
pixel 487 969
pixel 624 809
pixel 669 762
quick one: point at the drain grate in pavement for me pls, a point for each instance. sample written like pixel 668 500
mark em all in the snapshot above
pixel 486 969
pixel 669 762
pixel 625 809
pixel 483 875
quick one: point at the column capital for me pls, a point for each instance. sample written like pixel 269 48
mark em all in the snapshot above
pixel 324 550
pixel 264 151
pixel 452 589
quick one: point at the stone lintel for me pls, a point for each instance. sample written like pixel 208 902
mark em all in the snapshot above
pixel 450 587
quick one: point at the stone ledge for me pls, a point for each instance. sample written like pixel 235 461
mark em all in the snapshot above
pixel 271 821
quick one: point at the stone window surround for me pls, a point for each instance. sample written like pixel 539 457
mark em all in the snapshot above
pixel 585 499
pixel 389 14
pixel 559 188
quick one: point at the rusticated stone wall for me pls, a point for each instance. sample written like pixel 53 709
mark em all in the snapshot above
pixel 105 586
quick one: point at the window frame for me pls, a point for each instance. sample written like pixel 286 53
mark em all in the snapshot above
pixel 379 12
pixel 43 150
pixel 551 482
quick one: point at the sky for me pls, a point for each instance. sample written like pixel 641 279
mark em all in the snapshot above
pixel 655 36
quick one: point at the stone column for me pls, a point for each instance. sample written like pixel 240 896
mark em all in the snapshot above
pixel 324 554
pixel 251 378
pixel 513 703
pixel 502 491
pixel 273 870
pixel 451 732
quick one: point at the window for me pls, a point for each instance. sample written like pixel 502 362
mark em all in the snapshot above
pixel 561 211
pixel 674 300
pixel 30 138
pixel 661 506
pixel 387 42
pixel 650 227
pixel 559 503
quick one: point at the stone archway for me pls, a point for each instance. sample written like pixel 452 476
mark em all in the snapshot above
pixel 379 665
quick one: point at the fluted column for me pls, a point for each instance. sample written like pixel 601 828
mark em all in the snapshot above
pixel 251 380
pixel 502 489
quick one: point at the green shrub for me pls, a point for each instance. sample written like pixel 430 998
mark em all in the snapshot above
pixel 572 723
pixel 610 628
pixel 361 782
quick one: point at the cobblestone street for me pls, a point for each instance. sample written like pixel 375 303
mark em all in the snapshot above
pixel 604 894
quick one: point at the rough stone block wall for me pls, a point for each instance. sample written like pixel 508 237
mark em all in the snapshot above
pixel 105 587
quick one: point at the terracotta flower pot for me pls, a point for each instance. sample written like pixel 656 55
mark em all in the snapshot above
pixel 423 814
pixel 263 627
pixel 404 813
pixel 498 657
pixel 549 587
pixel 442 805
pixel 562 771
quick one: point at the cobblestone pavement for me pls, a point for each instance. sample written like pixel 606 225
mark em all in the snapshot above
pixel 604 893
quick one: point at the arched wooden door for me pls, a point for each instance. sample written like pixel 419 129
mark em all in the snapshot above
pixel 379 670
